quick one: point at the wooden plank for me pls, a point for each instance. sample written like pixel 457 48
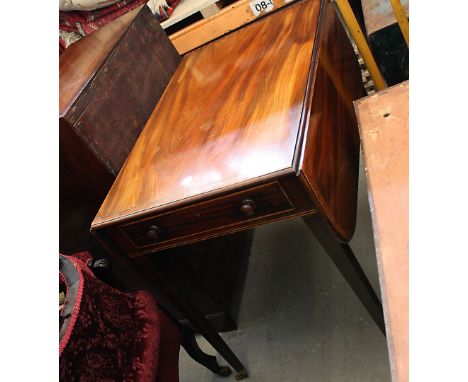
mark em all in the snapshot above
pixel 209 11
pixel 185 9
pixel 378 14
pixel 383 124
pixel 228 19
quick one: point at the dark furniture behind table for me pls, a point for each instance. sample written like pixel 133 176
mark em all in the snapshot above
pixel 110 81
pixel 265 130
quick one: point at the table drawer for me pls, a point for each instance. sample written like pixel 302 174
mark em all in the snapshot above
pixel 229 210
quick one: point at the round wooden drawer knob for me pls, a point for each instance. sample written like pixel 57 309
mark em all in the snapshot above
pixel 154 233
pixel 247 207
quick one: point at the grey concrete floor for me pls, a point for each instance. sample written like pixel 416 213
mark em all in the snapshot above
pixel 298 318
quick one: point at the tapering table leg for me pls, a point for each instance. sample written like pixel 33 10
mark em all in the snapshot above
pixel 343 257
pixel 181 302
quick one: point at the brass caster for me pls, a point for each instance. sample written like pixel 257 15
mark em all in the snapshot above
pixel 241 374
pixel 224 371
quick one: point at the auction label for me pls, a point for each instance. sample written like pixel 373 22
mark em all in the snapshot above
pixel 260 6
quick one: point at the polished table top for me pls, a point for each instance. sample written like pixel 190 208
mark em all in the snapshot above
pixel 231 113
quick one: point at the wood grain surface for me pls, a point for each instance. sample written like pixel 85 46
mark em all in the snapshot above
pixel 330 158
pixel 214 216
pixel 268 199
pixel 383 123
pixel 80 61
pixel 112 109
pixel 110 82
pixel 229 116
pixel 231 17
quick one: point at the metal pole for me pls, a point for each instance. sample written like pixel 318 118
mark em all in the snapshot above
pixel 401 18
pixel 361 42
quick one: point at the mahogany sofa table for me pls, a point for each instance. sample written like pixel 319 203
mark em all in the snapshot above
pixel 255 127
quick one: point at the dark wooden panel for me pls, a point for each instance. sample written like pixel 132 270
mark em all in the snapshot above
pixel 110 82
pixel 111 112
pixel 79 63
pixel 83 184
pixel 330 160
pixel 212 272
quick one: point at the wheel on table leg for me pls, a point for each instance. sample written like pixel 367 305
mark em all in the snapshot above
pixel 224 371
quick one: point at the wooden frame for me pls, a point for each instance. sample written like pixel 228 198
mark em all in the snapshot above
pixel 383 124
pixel 228 19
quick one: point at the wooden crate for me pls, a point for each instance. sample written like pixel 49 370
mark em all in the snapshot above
pixel 197 22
